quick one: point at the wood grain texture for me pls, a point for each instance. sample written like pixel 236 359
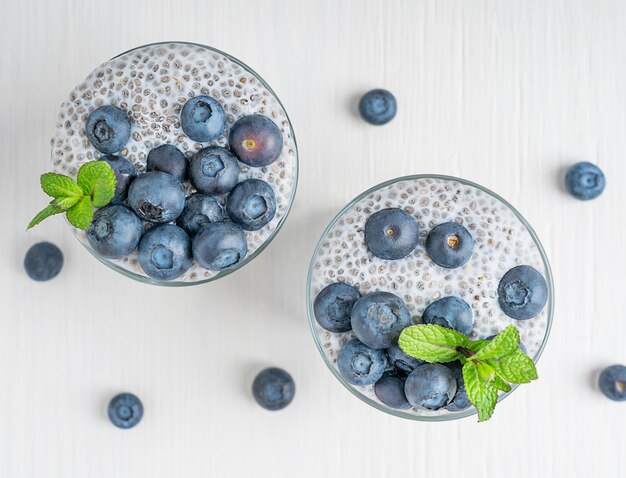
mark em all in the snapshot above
pixel 505 93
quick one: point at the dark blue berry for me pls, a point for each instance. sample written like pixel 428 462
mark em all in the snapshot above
pixel 451 313
pixel 114 232
pixel 156 197
pixel 430 386
pixel 214 170
pixel 125 173
pixel 378 107
pixel 199 211
pixel 108 129
pixel 169 159
pixel 460 400
pixel 449 245
pixel 219 246
pixel 125 410
pixel 202 119
pixel 333 305
pixel 251 204
pixel 522 293
pixel 43 261
pixel 585 181
pixel 255 140
pixel 360 364
pixel 273 388
pixel 391 234
pixel 390 390
pixel 403 364
pixel 378 319
pixel 165 252
pixel 612 382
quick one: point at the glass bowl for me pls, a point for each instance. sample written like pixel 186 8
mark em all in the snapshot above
pixel 152 82
pixel 503 239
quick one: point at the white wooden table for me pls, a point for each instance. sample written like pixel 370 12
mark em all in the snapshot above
pixel 505 93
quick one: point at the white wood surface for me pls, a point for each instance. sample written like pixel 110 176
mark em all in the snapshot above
pixel 505 93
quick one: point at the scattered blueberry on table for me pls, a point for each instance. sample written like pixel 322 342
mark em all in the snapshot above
pixel 378 107
pixel 273 388
pixel 125 410
pixel 43 261
pixel 585 181
pixel 612 382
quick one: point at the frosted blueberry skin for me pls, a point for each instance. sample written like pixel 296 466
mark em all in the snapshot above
pixel 430 386
pixel 522 293
pixel 114 232
pixel 165 252
pixel 378 107
pixel 251 204
pixel 612 382
pixel 391 234
pixel 273 388
pixel 451 313
pixel 378 319
pixel 168 159
pixel 202 119
pixel 108 129
pixel 255 140
pixel 585 181
pixel 402 363
pixel 460 400
pixel 125 410
pixel 219 246
pixel 43 261
pixel 156 197
pixel 333 305
pixel 449 245
pixel 214 170
pixel 124 172
pixel 360 364
pixel 390 391
pixel 200 210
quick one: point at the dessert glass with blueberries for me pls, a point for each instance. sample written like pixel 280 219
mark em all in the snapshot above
pixel 204 157
pixel 423 249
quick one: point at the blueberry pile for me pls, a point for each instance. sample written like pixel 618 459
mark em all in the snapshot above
pixel 376 320
pixel 151 212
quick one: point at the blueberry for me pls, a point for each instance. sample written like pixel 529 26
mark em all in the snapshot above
pixel 214 170
pixel 521 345
pixel 165 252
pixel 156 197
pixel 251 204
pixel 522 293
pixel 378 106
pixel 125 410
pixel 378 319
pixel 390 390
pixel 360 364
pixel 333 305
pixel 43 261
pixel 169 159
pixel 403 364
pixel 612 382
pixel 199 211
pixel 202 119
pixel 108 129
pixel 219 245
pixel 273 388
pixel 255 140
pixel 585 181
pixel 430 386
pixel 451 313
pixel 125 173
pixel 114 232
pixel 460 400
pixel 391 234
pixel 449 245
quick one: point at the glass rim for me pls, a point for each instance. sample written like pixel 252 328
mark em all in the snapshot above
pixel 249 258
pixel 468 412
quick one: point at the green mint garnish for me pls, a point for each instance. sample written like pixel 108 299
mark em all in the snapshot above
pixel 488 365
pixel 95 187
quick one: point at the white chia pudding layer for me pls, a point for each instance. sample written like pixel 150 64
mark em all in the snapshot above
pixel 151 84
pixel 501 242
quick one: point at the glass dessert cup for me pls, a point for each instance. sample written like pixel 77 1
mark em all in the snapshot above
pixel 151 83
pixel 503 239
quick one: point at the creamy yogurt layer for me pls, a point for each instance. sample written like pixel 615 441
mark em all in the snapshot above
pixel 501 242
pixel 151 84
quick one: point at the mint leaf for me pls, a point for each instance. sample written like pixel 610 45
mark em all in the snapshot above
pixel 81 214
pixel 515 368
pixel 58 186
pixel 48 211
pixel 500 384
pixel 432 343
pixel 97 180
pixel 505 343
pixel 483 394
pixel 66 202
pixel 476 345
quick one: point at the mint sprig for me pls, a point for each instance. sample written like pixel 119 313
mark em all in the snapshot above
pixel 94 187
pixel 489 366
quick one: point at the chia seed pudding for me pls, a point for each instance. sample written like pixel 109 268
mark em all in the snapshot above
pixel 502 241
pixel 151 84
